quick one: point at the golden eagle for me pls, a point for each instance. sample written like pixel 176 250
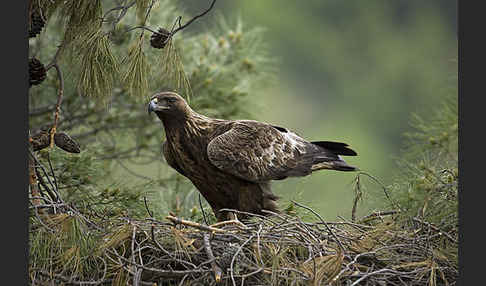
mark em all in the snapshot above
pixel 231 162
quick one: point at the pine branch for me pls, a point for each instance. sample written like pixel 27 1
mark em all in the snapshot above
pixel 192 20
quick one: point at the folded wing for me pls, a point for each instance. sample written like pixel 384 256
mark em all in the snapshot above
pixel 256 151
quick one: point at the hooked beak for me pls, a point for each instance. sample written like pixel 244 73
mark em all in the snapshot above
pixel 154 106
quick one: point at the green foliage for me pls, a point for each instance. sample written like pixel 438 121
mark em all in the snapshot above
pixel 77 173
pixel 80 180
pixel 437 135
pixel 64 246
pixel 121 162
pixel 142 7
pixel 135 77
pixel 46 7
pixel 98 66
pixel 429 175
pixel 225 67
pixel 82 17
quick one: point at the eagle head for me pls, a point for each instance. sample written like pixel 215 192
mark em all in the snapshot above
pixel 168 104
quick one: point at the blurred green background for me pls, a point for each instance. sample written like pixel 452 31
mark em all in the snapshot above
pixel 350 71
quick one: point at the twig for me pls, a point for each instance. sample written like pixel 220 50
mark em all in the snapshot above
pixel 193 19
pixel 42 222
pixel 202 210
pixel 136 277
pixel 173 31
pixel 383 186
pixel 59 101
pixel 176 220
pixel 134 264
pixel 236 222
pixel 356 198
pixel 146 207
pixel 216 269
pixel 51 197
pixel 259 252
pixel 70 279
pixel 322 220
pixel 34 187
pixel 377 215
pixel 38 163
pixel 236 254
pixel 162 272
pixel 350 263
pixel 435 228
pixel 54 59
pixel 183 279
pixel 252 273
pixel 124 10
pixel 47 206
pixel 141 27
pixel 369 274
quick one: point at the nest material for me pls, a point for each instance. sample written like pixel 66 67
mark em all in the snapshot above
pixel 274 250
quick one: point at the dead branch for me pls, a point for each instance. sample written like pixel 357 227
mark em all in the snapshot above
pixel 176 221
pixel 216 269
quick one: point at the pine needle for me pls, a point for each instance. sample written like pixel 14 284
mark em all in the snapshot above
pixel 98 65
pixel 136 72
pixel 174 73
pixel 142 7
pixel 82 17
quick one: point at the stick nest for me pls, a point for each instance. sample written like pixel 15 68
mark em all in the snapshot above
pixel 279 249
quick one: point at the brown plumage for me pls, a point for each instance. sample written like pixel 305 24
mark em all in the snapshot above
pixel 231 162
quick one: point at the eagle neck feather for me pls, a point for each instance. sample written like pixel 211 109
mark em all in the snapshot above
pixel 188 127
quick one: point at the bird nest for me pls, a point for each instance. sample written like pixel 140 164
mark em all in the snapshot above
pixel 70 248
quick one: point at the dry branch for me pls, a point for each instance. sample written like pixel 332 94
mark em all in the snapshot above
pixel 176 220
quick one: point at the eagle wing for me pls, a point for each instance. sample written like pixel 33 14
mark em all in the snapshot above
pixel 256 151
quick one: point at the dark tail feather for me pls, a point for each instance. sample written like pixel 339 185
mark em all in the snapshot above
pixel 337 148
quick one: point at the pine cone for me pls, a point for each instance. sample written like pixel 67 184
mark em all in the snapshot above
pixel 37 72
pixel 66 143
pixel 159 39
pixel 42 140
pixel 36 24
